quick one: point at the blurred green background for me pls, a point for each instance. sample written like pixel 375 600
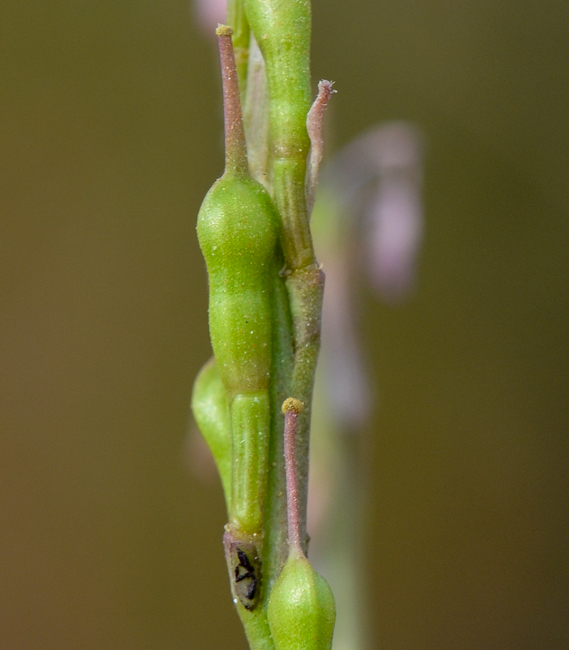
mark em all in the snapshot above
pixel 110 135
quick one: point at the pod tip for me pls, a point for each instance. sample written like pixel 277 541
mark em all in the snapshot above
pixel 224 30
pixel 292 404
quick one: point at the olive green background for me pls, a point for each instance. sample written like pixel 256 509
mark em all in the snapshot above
pixel 110 134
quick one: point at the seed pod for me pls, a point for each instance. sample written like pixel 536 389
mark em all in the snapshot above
pixel 237 235
pixel 282 30
pixel 237 231
pixel 301 608
pixel 209 406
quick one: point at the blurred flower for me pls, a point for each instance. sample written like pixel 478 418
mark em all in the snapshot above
pixel 209 14
pixel 379 175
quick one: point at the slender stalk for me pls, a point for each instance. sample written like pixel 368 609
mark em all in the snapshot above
pixel 291 409
pixel 269 347
pixel 235 147
pixel 306 290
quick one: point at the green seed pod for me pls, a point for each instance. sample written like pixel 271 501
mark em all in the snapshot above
pixel 282 30
pixel 237 232
pixel 301 608
pixel 209 406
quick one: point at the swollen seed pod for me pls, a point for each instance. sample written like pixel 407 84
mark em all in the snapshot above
pixel 209 406
pixel 237 232
pixel 301 608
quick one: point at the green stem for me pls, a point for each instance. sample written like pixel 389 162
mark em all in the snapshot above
pixel 276 545
pixel 282 30
pixel 306 292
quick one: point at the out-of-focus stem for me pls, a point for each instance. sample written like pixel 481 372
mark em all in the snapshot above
pixel 237 19
pixel 256 117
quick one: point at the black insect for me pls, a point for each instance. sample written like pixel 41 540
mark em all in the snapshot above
pixel 246 580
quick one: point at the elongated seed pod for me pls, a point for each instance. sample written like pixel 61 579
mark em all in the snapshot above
pixel 237 234
pixel 237 230
pixel 282 30
pixel 210 409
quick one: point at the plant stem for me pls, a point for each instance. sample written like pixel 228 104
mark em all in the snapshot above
pixel 275 541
